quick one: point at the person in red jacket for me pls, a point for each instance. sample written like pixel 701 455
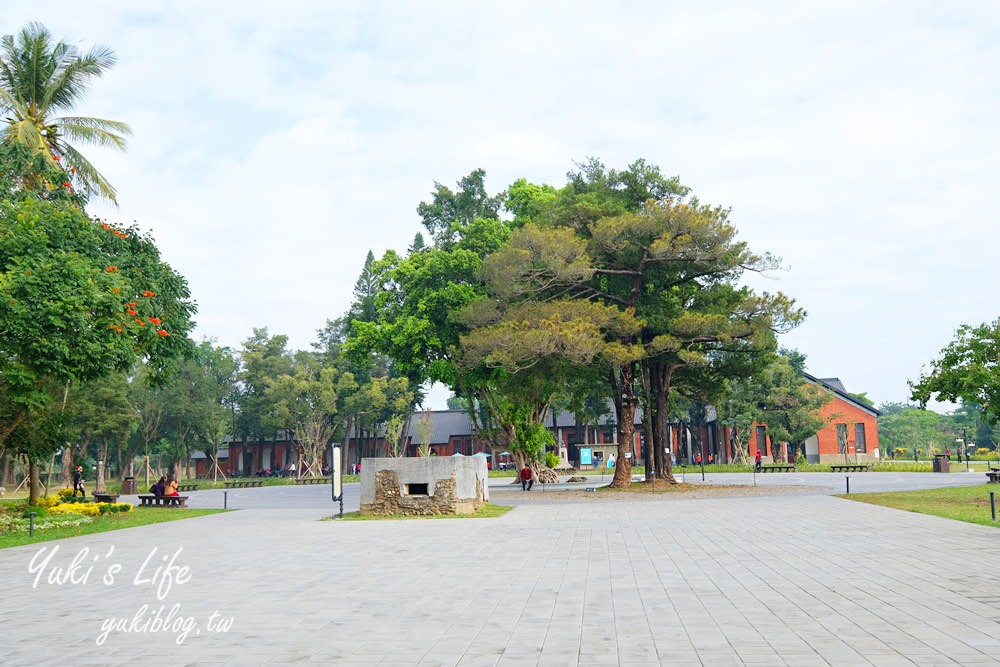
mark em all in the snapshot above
pixel 757 462
pixel 526 479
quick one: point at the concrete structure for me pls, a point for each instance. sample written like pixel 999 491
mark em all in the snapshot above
pixel 424 485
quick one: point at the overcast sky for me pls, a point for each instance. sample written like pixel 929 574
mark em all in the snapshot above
pixel 275 144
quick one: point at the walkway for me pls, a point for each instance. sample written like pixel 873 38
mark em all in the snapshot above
pixel 797 580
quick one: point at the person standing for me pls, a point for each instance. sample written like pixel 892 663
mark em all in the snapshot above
pixel 757 462
pixel 526 479
pixel 291 469
pixel 78 482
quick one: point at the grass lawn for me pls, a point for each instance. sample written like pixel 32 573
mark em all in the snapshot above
pixel 966 503
pixel 139 516
pixel 487 511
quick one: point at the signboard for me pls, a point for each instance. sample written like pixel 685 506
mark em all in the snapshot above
pixel 338 479
pixel 586 456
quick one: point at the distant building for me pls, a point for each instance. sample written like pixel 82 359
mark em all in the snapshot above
pixel 851 434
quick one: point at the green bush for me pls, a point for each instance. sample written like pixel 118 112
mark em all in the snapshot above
pixel 551 459
pixel 38 511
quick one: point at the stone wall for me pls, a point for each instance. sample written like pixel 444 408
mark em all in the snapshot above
pixel 423 486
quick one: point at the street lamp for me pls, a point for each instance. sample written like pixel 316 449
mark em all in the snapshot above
pixel 964 451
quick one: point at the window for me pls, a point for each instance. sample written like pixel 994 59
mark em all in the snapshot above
pixel 842 438
pixel 859 438
pixel 762 440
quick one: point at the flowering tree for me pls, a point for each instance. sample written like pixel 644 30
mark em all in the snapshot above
pixel 79 299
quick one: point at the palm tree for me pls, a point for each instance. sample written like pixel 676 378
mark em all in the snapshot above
pixel 40 78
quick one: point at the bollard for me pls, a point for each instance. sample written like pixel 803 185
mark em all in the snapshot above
pixel 993 506
pixel 848 485
pixel 225 500
pixel 31 521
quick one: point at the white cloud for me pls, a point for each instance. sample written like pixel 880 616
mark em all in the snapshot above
pixel 276 144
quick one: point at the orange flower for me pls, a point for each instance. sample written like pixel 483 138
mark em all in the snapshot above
pixel 154 320
pixel 140 322
pixel 132 313
pixel 67 184
pixel 56 158
pixel 162 332
pixel 115 290
pixel 111 269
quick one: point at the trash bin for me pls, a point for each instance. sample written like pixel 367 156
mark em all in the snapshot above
pixel 128 486
pixel 941 463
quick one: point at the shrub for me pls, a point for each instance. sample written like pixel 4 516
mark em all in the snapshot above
pixel 38 511
pixel 47 501
pixel 86 509
pixel 65 492
pixel 551 459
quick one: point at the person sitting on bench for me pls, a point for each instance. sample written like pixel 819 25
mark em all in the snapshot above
pixel 170 488
pixel 158 487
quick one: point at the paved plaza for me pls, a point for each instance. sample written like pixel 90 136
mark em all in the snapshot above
pixel 796 578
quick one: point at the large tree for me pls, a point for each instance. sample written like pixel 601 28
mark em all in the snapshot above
pixel 968 369
pixel 309 400
pixel 41 79
pixel 79 299
pixel 632 243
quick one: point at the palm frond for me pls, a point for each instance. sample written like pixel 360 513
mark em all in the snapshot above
pixel 85 173
pixel 72 76
pixel 96 131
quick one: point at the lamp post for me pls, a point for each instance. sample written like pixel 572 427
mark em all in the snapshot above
pixel 965 453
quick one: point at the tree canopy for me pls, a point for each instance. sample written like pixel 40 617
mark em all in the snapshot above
pixel 968 369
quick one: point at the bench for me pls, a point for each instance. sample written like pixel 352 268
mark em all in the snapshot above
pixel 105 497
pixel 777 468
pixel 243 483
pixel 849 467
pixel 184 488
pixel 149 500
pixel 993 477
pixel 312 480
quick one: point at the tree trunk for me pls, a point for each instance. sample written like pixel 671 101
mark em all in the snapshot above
pixel 66 466
pixel 33 485
pixel 102 467
pixel 623 383
pixel 6 478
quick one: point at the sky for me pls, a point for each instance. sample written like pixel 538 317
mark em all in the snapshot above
pixel 275 144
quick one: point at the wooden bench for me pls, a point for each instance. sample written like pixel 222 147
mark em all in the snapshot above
pixel 777 468
pixel 993 476
pixel 184 488
pixel 243 483
pixel 105 497
pixel 849 467
pixel 313 480
pixel 149 500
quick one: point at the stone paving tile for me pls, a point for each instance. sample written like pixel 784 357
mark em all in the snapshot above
pixel 756 581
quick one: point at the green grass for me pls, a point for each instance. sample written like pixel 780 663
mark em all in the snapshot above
pixel 487 511
pixel 139 516
pixel 966 503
